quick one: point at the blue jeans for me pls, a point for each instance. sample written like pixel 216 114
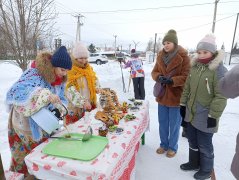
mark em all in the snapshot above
pixel 203 142
pixel 169 126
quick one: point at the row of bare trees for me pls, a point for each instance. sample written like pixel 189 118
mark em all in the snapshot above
pixel 24 25
pixel 158 45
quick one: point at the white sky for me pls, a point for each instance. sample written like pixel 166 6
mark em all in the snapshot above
pixel 190 22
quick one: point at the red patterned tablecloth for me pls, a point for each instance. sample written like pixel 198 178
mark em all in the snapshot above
pixel 116 161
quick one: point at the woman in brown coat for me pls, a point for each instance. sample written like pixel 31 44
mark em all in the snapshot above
pixel 170 70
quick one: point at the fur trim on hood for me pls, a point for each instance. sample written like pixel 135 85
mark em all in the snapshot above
pixel 45 68
pixel 219 56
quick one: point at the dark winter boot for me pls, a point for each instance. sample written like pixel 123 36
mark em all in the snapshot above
pixel 201 175
pixel 184 133
pixel 194 161
pixel 206 167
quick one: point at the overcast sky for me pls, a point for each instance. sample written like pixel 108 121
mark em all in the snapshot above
pixel 139 20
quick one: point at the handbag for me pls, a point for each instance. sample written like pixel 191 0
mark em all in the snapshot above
pixel 159 89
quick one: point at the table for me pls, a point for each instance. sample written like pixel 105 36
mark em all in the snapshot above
pixel 117 161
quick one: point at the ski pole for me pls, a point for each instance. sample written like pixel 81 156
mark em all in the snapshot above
pixel 124 89
pixel 129 81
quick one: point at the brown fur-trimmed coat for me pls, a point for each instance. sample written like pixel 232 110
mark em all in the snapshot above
pixel 180 65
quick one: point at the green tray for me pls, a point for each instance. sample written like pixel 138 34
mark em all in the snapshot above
pixel 85 151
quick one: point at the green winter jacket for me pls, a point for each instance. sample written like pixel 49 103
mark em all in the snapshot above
pixel 201 95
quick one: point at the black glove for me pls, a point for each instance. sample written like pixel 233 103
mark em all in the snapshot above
pixel 211 122
pixel 182 111
pixel 184 123
pixel 162 79
pixel 165 80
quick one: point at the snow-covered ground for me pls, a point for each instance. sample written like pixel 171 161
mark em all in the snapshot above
pixel 149 165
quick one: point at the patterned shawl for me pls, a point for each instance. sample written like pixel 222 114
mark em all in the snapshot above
pixel 21 91
pixel 76 73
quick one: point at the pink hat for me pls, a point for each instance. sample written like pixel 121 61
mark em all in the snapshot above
pixel 80 51
pixel 208 43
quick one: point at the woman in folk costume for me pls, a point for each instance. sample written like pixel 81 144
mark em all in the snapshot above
pixel 82 84
pixel 202 105
pixel 171 70
pixel 37 87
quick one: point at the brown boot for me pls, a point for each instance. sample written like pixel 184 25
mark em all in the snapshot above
pixel 160 150
pixel 170 153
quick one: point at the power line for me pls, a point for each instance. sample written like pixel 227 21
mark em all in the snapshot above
pixel 152 8
pixel 204 24
pixel 66 9
pixel 156 20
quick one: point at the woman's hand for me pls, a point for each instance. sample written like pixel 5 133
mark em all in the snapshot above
pixel 53 98
pixel 87 105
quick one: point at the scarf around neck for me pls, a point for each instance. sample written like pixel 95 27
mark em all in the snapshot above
pixel 205 61
pixel 168 56
pixel 58 81
pixel 76 73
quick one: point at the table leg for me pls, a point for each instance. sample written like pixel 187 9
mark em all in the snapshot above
pixel 143 139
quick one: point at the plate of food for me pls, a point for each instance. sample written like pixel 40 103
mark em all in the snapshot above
pixel 131 99
pixel 134 109
pixel 129 117
pixel 138 103
pixel 116 130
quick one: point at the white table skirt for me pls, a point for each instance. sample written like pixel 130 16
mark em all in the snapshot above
pixel 110 164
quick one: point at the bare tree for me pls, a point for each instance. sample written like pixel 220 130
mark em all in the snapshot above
pixel 158 45
pixel 150 45
pixel 23 24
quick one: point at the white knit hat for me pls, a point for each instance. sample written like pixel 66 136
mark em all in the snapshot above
pixel 208 43
pixel 80 50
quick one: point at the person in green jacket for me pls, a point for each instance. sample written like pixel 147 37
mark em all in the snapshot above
pixel 201 106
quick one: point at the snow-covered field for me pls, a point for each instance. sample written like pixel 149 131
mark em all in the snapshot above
pixel 149 165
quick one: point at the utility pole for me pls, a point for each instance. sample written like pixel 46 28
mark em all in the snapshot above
pixel 57 43
pixel 135 45
pixel 115 36
pixel 233 39
pixel 129 48
pixel 79 24
pixel 214 16
pixel 155 39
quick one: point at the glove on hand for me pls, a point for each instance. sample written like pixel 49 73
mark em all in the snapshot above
pixel 162 79
pixel 165 80
pixel 182 113
pixel 184 123
pixel 211 122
